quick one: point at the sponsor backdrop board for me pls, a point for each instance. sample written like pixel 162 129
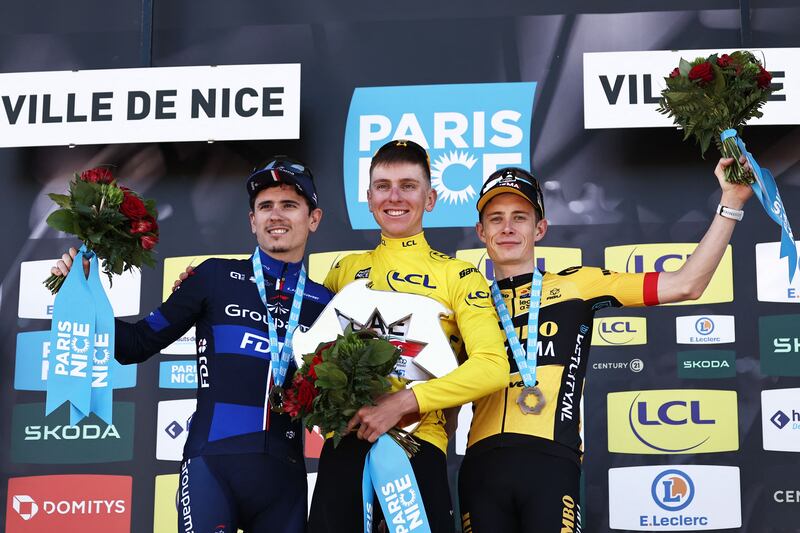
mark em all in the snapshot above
pixel 566 89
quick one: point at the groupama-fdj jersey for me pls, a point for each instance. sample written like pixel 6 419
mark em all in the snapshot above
pixel 221 299
pixel 243 464
pixel 411 265
pixel 569 302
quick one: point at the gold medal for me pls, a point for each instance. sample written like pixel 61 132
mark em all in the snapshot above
pixel 525 407
pixel 276 397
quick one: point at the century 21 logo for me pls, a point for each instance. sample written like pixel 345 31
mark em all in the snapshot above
pixel 468 130
pixel 672 421
pixel 640 258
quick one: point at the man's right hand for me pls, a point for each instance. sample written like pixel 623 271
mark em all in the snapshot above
pixel 65 263
pixel 182 277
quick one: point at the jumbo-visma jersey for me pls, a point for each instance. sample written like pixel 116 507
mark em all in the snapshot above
pixel 569 302
pixel 410 265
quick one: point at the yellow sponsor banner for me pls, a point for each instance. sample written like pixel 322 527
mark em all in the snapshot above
pixel 319 264
pixel 669 258
pixel 619 331
pixel 673 421
pixel 173 266
pixel 165 513
pixel 548 258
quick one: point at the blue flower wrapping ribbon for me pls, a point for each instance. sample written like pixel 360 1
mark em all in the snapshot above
pixel 81 345
pixel 388 473
pixel 766 190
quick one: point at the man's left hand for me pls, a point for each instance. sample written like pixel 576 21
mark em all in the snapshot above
pixel 375 420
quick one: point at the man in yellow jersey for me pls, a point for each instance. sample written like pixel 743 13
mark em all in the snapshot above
pixel 522 469
pixel 399 194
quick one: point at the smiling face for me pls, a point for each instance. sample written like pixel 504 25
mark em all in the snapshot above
pixel 398 195
pixel 281 222
pixel 510 231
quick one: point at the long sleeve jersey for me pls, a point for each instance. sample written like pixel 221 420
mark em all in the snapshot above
pixel 233 358
pixel 411 265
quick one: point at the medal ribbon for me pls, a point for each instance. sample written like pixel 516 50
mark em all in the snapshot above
pixel 280 358
pixel 766 190
pixel 525 359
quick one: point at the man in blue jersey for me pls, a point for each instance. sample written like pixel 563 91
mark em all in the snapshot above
pixel 243 462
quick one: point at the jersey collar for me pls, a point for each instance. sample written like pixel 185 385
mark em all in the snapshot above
pixel 515 281
pixel 277 269
pixel 415 242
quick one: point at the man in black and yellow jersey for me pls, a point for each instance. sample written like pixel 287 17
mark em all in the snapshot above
pixel 531 427
pixel 399 194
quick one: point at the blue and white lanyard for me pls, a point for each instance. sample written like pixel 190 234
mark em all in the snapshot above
pixel 280 358
pixel 526 360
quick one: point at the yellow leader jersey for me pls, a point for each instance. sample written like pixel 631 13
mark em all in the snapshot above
pixel 411 265
pixel 569 302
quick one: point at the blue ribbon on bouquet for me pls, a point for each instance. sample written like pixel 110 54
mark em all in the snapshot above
pixel 766 190
pixel 388 472
pixel 81 345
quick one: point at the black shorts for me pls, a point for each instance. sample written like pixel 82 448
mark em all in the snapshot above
pixel 519 490
pixel 337 505
pixel 251 491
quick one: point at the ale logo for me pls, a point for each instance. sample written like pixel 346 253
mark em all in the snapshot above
pixel 641 258
pixel 672 490
pixel 619 331
pixel 548 259
pixel 672 421
pixel 469 131
pixel 779 343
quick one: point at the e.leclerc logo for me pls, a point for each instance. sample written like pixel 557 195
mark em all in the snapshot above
pixel 469 131
pixel 672 421
pixel 675 498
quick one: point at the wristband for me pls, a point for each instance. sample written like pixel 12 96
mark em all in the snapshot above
pixel 727 212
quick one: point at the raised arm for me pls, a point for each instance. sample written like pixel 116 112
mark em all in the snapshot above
pixel 689 282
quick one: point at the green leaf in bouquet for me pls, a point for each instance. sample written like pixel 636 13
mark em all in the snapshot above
pixel 63 220
pixel 61 199
pixel 718 86
pixel 684 67
pixel 84 193
pixel 330 377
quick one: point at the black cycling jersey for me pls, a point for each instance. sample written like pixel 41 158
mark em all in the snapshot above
pixel 221 299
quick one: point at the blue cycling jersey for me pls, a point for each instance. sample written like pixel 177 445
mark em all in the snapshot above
pixel 221 299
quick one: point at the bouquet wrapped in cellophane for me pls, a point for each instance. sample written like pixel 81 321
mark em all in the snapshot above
pixel 341 377
pixel 713 94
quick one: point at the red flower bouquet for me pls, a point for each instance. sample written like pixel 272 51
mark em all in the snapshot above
pixel 716 93
pixel 112 221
